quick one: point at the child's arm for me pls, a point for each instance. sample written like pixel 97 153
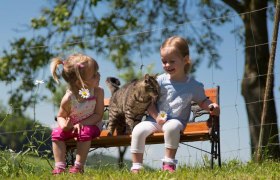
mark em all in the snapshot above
pixel 152 110
pixel 63 119
pixel 206 104
pixel 99 108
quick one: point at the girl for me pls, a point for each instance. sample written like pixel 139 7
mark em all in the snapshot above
pixel 171 113
pixel 81 109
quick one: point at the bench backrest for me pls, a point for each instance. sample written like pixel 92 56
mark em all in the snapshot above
pixel 198 130
pixel 211 93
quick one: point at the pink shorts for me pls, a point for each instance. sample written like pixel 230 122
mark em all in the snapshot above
pixel 87 134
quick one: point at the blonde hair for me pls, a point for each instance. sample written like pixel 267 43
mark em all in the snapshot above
pixel 181 46
pixel 73 69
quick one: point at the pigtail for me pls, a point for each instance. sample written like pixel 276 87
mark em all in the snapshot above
pixel 77 68
pixel 54 66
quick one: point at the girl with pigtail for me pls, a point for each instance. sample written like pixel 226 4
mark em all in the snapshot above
pixel 81 109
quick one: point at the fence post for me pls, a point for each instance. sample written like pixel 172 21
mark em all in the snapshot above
pixel 269 82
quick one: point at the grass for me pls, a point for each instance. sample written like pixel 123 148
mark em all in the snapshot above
pixel 28 167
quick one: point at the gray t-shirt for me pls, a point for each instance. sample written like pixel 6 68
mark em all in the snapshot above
pixel 175 97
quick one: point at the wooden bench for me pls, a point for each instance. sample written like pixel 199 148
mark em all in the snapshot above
pixel 206 129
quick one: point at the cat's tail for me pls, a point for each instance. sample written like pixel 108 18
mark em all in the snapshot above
pixel 113 84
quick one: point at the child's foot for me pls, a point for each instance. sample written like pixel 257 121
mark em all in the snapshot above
pixel 76 169
pixel 135 171
pixel 169 167
pixel 57 171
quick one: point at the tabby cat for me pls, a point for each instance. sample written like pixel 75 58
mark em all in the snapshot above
pixel 129 103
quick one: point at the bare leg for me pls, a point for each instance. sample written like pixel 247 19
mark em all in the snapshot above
pixel 137 157
pixel 59 150
pixel 170 153
pixel 82 151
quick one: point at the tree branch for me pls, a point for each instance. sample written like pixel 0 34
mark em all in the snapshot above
pixel 237 6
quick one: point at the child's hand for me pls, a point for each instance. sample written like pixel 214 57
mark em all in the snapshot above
pixel 77 128
pixel 67 125
pixel 160 121
pixel 161 118
pixel 214 109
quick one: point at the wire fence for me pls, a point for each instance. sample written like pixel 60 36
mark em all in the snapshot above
pixel 235 140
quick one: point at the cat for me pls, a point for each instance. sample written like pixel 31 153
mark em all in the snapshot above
pixel 130 102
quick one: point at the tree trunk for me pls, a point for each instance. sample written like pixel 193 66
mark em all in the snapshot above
pixel 254 80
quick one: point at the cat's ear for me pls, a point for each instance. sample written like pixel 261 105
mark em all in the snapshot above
pixel 155 75
pixel 147 76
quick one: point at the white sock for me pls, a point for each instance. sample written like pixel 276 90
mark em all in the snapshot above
pixel 60 165
pixel 78 164
pixel 170 161
pixel 136 166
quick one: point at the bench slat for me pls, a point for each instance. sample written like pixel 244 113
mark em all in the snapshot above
pixel 196 131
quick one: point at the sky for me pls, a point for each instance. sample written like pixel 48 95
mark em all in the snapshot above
pixel 234 126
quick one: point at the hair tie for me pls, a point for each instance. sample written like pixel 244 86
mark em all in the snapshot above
pixel 80 65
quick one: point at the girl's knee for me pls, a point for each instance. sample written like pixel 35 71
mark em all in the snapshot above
pixel 137 132
pixel 142 130
pixel 172 126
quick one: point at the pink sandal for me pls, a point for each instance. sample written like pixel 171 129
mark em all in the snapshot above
pixel 76 169
pixel 57 171
pixel 135 171
pixel 169 167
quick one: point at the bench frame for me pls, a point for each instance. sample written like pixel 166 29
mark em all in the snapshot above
pixel 202 130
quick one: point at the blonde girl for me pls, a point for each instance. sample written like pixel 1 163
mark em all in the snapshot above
pixel 171 113
pixel 81 109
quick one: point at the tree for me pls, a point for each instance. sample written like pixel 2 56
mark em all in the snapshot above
pixel 125 26
pixel 256 33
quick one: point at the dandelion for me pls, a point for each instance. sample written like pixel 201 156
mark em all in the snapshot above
pixel 84 93
pixel 163 115
pixel 38 82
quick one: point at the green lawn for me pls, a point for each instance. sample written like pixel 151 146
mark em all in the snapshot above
pixel 26 167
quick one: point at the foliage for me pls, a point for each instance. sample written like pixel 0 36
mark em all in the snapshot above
pixel 20 133
pixel 20 164
pixel 119 30
pixel 22 140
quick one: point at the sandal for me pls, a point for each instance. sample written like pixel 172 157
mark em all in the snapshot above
pixel 169 167
pixel 76 169
pixel 135 171
pixel 57 171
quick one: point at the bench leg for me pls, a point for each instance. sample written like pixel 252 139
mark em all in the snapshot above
pixel 215 152
pixel 215 142
pixel 212 154
pixel 219 150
